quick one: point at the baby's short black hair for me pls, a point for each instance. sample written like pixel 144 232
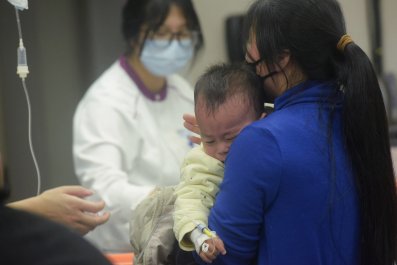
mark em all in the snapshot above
pixel 222 81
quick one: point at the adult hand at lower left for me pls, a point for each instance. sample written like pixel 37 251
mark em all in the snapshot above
pixel 66 205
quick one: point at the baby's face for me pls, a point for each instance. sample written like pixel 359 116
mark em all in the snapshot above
pixel 219 129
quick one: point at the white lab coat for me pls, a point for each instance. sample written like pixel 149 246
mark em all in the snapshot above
pixel 126 144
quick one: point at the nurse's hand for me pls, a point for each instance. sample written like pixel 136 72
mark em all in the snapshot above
pixel 66 205
pixel 190 123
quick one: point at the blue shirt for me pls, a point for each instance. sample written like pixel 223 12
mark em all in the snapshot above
pixel 288 195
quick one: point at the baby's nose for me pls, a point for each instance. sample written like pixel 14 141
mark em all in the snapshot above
pixel 222 152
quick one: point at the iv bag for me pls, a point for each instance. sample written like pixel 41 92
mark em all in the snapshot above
pixel 20 4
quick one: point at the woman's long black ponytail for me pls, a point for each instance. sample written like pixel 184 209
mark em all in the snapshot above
pixel 311 31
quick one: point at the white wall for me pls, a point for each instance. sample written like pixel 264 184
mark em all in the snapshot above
pixel 355 13
pixel 389 24
pixel 212 15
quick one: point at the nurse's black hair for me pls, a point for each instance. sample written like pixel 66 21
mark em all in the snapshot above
pixel 149 15
pixel 310 30
pixel 223 81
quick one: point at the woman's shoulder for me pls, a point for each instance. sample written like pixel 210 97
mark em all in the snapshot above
pixel 180 86
pixel 265 124
pixel 266 130
pixel 178 81
pixel 113 87
pixel 113 79
pixel 280 119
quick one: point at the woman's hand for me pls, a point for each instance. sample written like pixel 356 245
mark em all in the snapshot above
pixel 66 205
pixel 190 123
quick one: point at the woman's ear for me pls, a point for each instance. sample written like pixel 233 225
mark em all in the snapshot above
pixel 284 59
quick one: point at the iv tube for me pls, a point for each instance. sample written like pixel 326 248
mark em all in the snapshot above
pixel 22 71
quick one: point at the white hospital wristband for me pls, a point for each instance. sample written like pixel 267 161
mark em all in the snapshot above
pixel 198 238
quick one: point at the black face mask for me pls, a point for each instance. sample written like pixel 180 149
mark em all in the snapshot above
pixel 263 78
pixel 253 68
pixel 268 97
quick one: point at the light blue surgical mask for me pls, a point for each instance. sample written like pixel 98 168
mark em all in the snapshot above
pixel 162 57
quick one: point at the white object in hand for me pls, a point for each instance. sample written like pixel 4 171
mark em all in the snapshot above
pixel 205 247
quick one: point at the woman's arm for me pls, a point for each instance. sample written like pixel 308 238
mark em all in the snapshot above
pixel 252 175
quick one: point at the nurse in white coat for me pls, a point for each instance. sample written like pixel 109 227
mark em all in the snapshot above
pixel 128 130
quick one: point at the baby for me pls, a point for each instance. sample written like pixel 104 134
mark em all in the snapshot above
pixel 227 98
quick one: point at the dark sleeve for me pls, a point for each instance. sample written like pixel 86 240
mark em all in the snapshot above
pixel 252 177
pixel 29 239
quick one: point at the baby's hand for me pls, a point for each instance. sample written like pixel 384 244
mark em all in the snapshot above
pixel 211 248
